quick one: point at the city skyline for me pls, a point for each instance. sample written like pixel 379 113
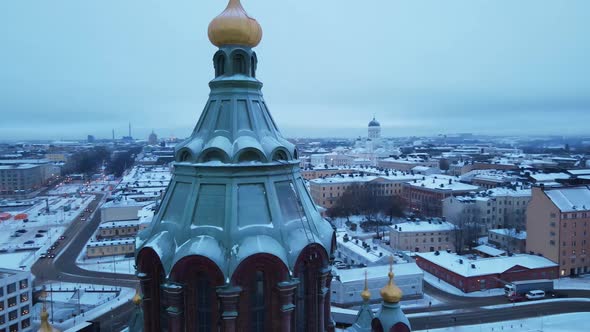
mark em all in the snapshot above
pixel 422 68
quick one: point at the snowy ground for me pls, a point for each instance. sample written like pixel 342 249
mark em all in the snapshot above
pixel 582 282
pixel 22 242
pixel 556 323
pixel 446 287
pixel 66 189
pixel 74 303
pixel 115 264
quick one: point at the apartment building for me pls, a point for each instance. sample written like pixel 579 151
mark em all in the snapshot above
pixel 509 239
pixel 326 192
pixel 490 209
pixel 21 178
pixel 110 247
pixel 15 300
pixel 422 236
pixel 558 226
pixel 425 195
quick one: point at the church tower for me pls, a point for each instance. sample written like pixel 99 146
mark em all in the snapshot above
pixel 237 244
pixel 374 130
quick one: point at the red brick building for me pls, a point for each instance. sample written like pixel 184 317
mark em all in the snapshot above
pixel 470 275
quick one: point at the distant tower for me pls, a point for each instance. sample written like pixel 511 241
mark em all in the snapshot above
pixel 237 244
pixel 130 130
pixel 153 138
pixel 113 134
pixel 374 129
pixel 390 316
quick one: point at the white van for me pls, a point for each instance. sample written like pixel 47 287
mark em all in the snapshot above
pixel 535 294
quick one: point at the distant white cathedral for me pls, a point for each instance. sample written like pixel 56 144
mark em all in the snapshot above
pixel 374 129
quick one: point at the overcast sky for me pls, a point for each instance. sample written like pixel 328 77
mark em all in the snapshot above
pixel 69 68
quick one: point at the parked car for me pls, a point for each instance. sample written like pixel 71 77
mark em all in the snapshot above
pixel 535 294
pixel 62 237
pixel 51 256
pixel 43 256
pixel 42 231
pixel 22 230
pixel 29 242
pixel 38 235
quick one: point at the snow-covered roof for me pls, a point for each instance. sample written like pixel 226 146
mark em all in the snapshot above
pixel 579 171
pixel 510 232
pixel 423 226
pixel 570 199
pixel 118 224
pixel 373 255
pixel 484 266
pixel 397 176
pixel 490 251
pixel 111 242
pixel 352 275
pixel 443 182
pixel 549 177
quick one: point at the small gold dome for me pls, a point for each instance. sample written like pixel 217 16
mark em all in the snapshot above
pixel 45 326
pixel 391 293
pixel 136 298
pixel 366 294
pixel 234 27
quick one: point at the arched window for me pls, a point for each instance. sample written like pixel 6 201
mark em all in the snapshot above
pixel 220 65
pixel 185 156
pixel 280 155
pixel 149 265
pixel 200 277
pixel 239 64
pixel 309 314
pixel 249 156
pixel 257 302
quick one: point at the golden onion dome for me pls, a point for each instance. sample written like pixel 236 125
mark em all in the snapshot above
pixel 234 27
pixel 391 293
pixel 45 326
pixel 366 294
pixel 136 298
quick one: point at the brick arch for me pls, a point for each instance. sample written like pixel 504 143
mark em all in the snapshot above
pixel 309 313
pixel 274 271
pixel 149 264
pixel 190 271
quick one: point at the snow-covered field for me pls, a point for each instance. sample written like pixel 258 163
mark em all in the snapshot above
pixel 576 322
pixel 446 287
pixel 115 264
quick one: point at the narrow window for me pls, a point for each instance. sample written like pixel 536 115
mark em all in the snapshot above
pixel 257 303
pixel 239 64
pixel 203 304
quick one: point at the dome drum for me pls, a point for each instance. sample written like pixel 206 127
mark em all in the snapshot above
pixel 235 60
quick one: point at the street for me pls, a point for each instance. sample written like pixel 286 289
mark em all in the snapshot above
pixel 63 268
